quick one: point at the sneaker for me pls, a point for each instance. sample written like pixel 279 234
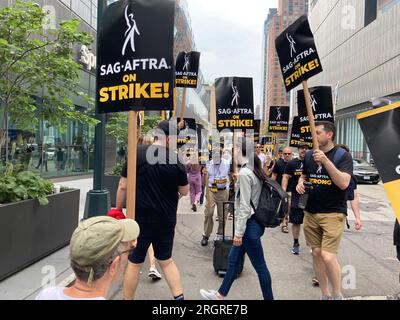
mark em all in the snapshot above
pixel 296 250
pixel 209 294
pixel 194 208
pixel 154 274
pixel 204 241
pixel 339 297
pixel 326 298
pixel 315 282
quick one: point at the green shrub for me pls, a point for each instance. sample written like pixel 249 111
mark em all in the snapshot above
pixel 18 186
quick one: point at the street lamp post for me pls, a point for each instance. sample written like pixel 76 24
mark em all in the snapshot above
pixel 98 200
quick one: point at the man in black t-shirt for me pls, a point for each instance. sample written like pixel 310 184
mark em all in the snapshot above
pixel 277 175
pixel 161 180
pixel 326 210
pixel 293 172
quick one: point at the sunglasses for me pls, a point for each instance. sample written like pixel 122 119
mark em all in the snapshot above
pixel 287 154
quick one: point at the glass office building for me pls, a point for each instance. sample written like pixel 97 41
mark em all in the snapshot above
pixel 51 152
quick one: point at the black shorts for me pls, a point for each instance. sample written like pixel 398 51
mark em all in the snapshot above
pixel 161 238
pixel 296 216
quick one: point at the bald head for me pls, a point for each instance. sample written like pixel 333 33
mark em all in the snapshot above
pixel 287 154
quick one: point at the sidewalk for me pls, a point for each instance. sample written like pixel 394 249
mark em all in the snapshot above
pixel 26 284
pixel 369 253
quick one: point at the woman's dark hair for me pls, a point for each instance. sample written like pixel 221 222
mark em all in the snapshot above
pixel 247 148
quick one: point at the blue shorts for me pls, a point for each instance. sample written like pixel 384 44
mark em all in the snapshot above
pixel 161 238
pixel 296 216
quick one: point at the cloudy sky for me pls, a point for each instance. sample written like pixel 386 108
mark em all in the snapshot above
pixel 229 35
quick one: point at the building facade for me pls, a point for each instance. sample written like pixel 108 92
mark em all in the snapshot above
pixel 357 42
pixel 58 154
pixel 274 92
pixel 71 152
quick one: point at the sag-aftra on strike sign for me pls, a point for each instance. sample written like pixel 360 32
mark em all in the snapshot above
pixel 297 53
pixel 135 56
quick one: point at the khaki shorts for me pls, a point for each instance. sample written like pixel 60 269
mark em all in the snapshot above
pixel 324 230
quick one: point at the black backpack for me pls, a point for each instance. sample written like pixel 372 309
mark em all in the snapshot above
pixel 272 206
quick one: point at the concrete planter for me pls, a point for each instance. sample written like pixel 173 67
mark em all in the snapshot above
pixel 111 184
pixel 29 231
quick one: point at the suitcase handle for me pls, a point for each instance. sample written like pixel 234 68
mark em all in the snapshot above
pixel 223 219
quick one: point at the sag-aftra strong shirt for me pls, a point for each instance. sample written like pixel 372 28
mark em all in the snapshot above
pixel 326 197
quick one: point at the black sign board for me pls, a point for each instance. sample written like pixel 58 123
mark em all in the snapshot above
pixel 321 104
pixel 297 53
pixel 381 128
pixel 235 107
pixel 188 134
pixel 135 56
pixel 279 119
pixel 300 134
pixel 187 69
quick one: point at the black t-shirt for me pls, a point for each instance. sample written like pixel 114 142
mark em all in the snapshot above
pixel 294 169
pixel 326 197
pixel 279 169
pixel 157 185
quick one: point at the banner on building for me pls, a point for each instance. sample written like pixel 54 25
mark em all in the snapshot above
pixel 297 53
pixel 279 119
pixel 135 56
pixel 300 134
pixel 381 128
pixel 235 106
pixel 187 69
pixel 321 104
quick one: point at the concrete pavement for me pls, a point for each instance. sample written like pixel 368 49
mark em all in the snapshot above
pixel 370 270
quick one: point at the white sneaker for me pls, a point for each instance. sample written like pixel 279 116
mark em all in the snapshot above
pixel 154 274
pixel 209 294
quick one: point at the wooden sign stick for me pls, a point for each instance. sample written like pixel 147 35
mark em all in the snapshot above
pixel 132 159
pixel 183 108
pixel 310 115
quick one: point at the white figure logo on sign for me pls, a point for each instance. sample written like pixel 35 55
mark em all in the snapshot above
pixel 314 103
pixel 130 32
pixel 187 63
pixel 292 44
pixel 235 95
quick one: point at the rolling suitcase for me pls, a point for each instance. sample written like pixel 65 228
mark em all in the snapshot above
pixel 223 247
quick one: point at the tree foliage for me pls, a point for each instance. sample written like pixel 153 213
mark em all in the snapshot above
pixel 39 63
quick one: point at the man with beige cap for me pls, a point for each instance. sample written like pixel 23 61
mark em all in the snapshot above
pixel 99 251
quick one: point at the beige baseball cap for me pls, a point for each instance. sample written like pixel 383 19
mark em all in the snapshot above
pixel 96 239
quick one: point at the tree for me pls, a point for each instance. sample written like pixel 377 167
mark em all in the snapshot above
pixel 38 63
pixel 117 126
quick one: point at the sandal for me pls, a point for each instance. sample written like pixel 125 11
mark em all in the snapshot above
pixel 285 229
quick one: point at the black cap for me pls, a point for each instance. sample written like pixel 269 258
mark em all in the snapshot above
pixel 303 144
pixel 169 128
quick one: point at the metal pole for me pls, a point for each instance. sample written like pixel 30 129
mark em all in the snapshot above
pixel 98 200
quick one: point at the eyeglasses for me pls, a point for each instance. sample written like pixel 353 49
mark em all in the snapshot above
pixel 287 154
